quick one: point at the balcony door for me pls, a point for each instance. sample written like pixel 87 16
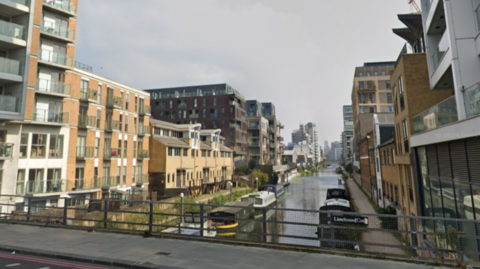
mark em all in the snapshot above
pixel 81 146
pixel 79 177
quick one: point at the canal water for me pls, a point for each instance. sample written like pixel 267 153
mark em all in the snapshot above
pixel 307 193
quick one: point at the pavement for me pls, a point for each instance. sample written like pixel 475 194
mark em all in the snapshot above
pixel 378 237
pixel 131 251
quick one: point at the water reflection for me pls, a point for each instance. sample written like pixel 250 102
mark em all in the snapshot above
pixel 303 193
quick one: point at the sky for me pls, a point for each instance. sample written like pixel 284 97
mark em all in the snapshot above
pixel 298 54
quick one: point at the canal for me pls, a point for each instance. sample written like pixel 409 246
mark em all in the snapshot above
pixel 307 193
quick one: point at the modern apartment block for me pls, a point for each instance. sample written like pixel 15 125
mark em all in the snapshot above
pixel 264 139
pixel 66 132
pixel 216 106
pixel 308 133
pixel 187 159
pixel 446 142
pixel 371 93
pixel 383 131
pixel 347 133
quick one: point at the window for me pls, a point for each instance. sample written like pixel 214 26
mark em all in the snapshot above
pixel 185 152
pixel 99 93
pixel 20 182
pixel 215 101
pixel 99 117
pixel 124 175
pixel 375 73
pixel 360 85
pixel 371 109
pixel 204 153
pixel 126 123
pixel 384 73
pixel 171 104
pixel 195 103
pixel 387 84
pixel 368 73
pixel 223 110
pixel 121 122
pixel 56 146
pixel 38 145
pixel 23 145
pixel 389 98
pixel 97 146
pixel 360 74
pixel 209 153
pixel 168 178
pixel 128 101
pixel 400 85
pixel 204 113
pixel 390 109
pixel 125 147
pixel 204 102
pixel 135 124
pixel 120 148
pixel 362 110
pixel 35 175
pixel 136 104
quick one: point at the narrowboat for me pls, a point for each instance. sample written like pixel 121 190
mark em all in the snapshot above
pixel 338 193
pixel 260 199
pixel 227 220
pixel 191 224
pixel 277 189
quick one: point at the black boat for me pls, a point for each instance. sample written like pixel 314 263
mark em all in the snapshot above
pixel 228 219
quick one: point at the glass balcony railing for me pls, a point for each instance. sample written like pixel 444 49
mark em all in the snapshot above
pixel 143 179
pixel 114 101
pixel 48 86
pixel 85 121
pixel 143 130
pixel 57 30
pixel 55 58
pixel 253 127
pixel 438 115
pixel 441 49
pixel 81 184
pixel 45 186
pixel 428 5
pixel 63 5
pixel 471 97
pixel 12 30
pixel 109 181
pixel 6 150
pixel 85 152
pixel 112 125
pixel 50 116
pixel 145 110
pixel 143 154
pixel 9 103
pixel 22 2
pixel 254 144
pixel 89 94
pixel 111 153
pixel 10 66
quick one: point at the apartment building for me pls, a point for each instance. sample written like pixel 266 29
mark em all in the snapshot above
pixel 412 96
pixel 217 106
pixel 371 93
pixel 187 159
pixel 308 133
pixel 390 184
pixel 347 133
pixel 264 139
pixel 383 131
pixel 66 132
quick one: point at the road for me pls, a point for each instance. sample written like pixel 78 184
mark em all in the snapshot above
pixel 17 261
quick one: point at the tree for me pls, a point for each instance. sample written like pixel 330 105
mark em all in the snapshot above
pixel 349 168
pixel 252 164
pixel 242 170
pixel 262 178
pixel 300 169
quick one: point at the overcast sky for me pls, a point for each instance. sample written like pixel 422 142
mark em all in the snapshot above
pixel 298 54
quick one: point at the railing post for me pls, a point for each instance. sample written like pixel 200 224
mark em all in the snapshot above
pixel 413 234
pixel 150 221
pixel 201 220
pixel 264 220
pixel 65 203
pixel 29 200
pixel 105 214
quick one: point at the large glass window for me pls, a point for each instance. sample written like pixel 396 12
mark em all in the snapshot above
pixel 20 182
pixel 422 159
pixel 56 146
pixel 23 145
pixel 38 148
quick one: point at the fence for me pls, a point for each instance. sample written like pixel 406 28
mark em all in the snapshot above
pixel 441 240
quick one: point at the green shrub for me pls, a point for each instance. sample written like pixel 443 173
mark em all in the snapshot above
pixel 390 223
pixel 349 168
pixel 262 178
pixel 242 170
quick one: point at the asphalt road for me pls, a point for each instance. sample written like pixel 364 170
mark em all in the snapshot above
pixel 17 261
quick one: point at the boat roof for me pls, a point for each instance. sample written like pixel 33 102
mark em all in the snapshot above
pixel 337 193
pixel 338 202
pixel 232 210
pixel 259 194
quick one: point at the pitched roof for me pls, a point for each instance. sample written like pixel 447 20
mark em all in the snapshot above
pixel 173 126
pixel 171 141
pixel 205 146
pixel 223 148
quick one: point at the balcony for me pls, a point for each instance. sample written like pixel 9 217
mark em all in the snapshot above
pixel 112 125
pixel 85 153
pixel 6 150
pixel 82 184
pixel 111 153
pixel 182 106
pixel 110 181
pixel 60 32
pixel 50 116
pixel 143 154
pixel 280 138
pixel 142 179
pixel 10 70
pixel 45 186
pixel 272 145
pixel 12 30
pixel 440 50
pixel 45 86
pixel 89 95
pixel 9 103
pixel 193 116
pixel 145 110
pixel 87 122
pixel 55 59
pixel 271 129
pixel 471 97
pixel 439 115
pixel 253 127
pixel 143 130
pixel 114 101
pixel 254 144
pixel 63 6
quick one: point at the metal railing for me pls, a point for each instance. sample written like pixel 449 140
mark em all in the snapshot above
pixel 471 97
pixel 22 2
pixel 9 103
pixel 111 153
pixel 410 238
pixel 57 30
pixel 81 184
pixel 48 86
pixel 45 186
pixel 143 130
pixel 438 115
pixel 50 116
pixel 10 66
pixel 12 30
pixel 254 144
pixel 112 125
pixel 144 110
pixel 253 127
pixel 55 58
pixel 440 50
pixel 89 94
pixel 63 5
pixel 114 101
pixel 6 150
pixel 143 154
pixel 143 179
pixel 110 181
pixel 85 152
pixel 83 66
pixel 85 121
